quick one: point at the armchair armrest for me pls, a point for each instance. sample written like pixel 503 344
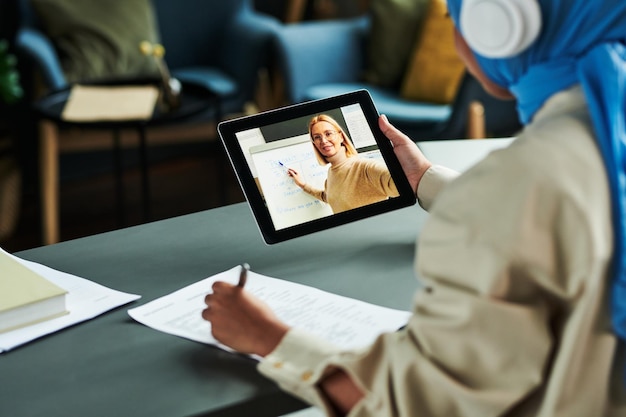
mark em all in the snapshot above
pixel 321 52
pixel 38 49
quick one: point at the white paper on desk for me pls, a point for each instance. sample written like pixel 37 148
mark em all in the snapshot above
pixel 346 322
pixel 85 300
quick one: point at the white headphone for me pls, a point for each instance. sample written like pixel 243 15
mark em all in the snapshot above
pixel 500 28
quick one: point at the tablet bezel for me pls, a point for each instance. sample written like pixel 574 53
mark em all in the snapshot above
pixel 228 130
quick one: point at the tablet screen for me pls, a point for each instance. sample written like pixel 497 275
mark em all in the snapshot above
pixel 315 165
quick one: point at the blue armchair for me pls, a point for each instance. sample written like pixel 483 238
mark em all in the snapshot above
pixel 218 44
pixel 324 58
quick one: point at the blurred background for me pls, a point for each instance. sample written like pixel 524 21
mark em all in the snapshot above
pixel 62 180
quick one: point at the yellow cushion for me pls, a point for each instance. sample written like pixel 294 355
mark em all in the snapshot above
pixel 435 69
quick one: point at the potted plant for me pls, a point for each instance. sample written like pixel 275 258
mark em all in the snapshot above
pixel 10 178
pixel 10 89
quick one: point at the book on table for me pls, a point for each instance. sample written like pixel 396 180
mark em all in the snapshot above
pixel 25 296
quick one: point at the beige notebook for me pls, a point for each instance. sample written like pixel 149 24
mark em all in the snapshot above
pixel 110 103
pixel 25 296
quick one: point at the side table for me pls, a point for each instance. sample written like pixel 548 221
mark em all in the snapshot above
pixel 194 101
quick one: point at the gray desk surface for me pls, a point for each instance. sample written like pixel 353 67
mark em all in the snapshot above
pixel 114 366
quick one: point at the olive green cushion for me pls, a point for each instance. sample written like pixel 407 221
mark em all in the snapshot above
pixel 392 34
pixel 99 39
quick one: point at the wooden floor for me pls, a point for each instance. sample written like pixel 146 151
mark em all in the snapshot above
pixel 182 181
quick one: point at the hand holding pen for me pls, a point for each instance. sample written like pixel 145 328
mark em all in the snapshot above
pixel 289 171
pixel 240 320
pixel 297 178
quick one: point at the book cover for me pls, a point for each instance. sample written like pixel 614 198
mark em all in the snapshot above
pixel 25 296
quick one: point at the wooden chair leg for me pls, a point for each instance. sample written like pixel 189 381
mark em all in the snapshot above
pixel 476 121
pixel 264 99
pixel 49 179
pixel 295 11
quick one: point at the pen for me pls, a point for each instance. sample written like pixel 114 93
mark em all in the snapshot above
pixel 243 275
pixel 287 170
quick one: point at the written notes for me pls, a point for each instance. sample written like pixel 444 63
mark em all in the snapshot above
pixel 342 321
pixel 287 203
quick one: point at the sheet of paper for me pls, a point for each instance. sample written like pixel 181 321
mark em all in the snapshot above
pixel 85 300
pixel 106 103
pixel 346 322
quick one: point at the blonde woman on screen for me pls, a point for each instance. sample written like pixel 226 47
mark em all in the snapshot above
pixel 352 181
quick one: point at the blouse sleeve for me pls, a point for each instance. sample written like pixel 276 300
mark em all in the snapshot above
pixel 378 174
pixel 433 181
pixel 317 193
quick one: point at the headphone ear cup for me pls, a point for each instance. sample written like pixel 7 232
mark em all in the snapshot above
pixel 500 28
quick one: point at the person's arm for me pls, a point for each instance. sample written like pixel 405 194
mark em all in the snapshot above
pixel 340 391
pixel 297 177
pixel 378 174
pixel 474 343
pixel 425 178
pixel 245 323
pixel 446 358
pixel 299 181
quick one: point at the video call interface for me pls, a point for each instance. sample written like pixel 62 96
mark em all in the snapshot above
pixel 271 150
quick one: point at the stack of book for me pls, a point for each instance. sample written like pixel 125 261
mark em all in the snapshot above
pixel 26 297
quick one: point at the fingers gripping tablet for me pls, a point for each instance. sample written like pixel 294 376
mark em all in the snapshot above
pixel 311 166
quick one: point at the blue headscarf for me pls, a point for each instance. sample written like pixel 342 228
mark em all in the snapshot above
pixel 581 42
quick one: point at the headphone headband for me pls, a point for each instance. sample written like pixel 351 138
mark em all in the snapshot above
pixel 500 28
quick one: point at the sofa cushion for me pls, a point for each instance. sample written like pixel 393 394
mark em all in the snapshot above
pixel 394 25
pixel 99 39
pixel 435 70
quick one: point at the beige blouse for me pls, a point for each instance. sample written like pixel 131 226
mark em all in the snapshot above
pixel 512 319
pixel 355 182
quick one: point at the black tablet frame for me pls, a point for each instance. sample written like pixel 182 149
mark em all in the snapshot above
pixel 228 130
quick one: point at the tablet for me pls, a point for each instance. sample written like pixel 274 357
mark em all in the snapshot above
pixel 299 182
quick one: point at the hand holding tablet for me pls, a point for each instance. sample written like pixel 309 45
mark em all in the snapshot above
pixel 315 165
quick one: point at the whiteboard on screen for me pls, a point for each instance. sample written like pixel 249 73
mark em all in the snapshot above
pixel 287 204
